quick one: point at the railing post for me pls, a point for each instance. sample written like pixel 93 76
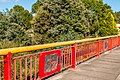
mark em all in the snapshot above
pixel 98 50
pixel 7 67
pixel 110 43
pixel 74 56
pixel 117 41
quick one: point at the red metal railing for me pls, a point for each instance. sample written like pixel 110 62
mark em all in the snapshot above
pixel 66 57
pixel 42 64
pixel 85 51
pixel 25 67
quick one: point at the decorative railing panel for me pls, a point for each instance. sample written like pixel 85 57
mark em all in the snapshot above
pixel 66 57
pixel 85 51
pixel 25 67
pixel 48 63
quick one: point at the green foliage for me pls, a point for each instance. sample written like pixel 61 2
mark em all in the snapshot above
pixel 8 44
pixel 14 26
pixel 35 6
pixel 60 17
pixel 41 24
pixel 117 14
pixel 104 20
pixel 110 24
pixel 20 16
pixel 57 20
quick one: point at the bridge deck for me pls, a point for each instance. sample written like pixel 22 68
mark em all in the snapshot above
pixel 107 67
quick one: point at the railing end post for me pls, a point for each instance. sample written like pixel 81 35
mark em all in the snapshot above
pixel 74 56
pixel 7 66
pixel 98 52
pixel 111 44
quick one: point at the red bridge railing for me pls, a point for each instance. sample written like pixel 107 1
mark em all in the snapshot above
pixel 24 63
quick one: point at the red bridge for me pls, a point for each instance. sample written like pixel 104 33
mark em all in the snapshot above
pixel 41 61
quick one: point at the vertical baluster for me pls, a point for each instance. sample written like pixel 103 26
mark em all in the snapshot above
pixel 64 59
pixel 14 69
pixel 118 40
pixel 111 44
pixel 96 47
pixel 80 52
pixel 88 51
pixel 0 71
pixel 20 68
pixel 83 51
pixel 77 54
pixel 70 56
pixel 25 68
pixel 99 47
pixel 30 67
pixel 35 67
pixel 67 57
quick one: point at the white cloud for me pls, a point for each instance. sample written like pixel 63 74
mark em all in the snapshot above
pixel 16 0
pixel 4 0
pixel 9 0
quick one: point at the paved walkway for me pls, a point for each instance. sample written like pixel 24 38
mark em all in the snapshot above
pixel 107 67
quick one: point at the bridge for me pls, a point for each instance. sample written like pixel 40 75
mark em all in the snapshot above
pixel 86 59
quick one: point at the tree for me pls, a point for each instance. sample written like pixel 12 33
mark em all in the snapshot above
pixel 109 21
pixel 3 25
pixel 23 18
pixel 118 16
pixel 101 25
pixel 14 25
pixel 36 6
pixel 57 18
pixel 41 24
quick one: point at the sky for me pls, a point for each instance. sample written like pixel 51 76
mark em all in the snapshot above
pixel 115 4
pixel 27 4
